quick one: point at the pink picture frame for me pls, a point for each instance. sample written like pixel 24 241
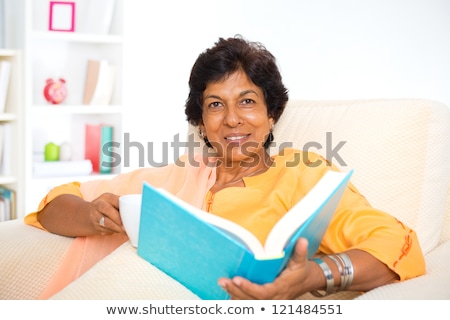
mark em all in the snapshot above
pixel 62 16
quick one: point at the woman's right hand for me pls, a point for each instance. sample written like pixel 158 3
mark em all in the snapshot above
pixel 70 215
pixel 104 214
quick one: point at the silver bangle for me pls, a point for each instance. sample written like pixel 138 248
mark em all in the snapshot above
pixel 328 277
pixel 347 272
pixel 340 264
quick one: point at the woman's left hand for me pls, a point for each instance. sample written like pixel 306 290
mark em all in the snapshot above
pixel 290 284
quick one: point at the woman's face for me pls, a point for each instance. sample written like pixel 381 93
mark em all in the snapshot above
pixel 235 118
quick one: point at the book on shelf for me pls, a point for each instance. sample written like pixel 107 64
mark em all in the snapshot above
pixel 5 148
pixel 62 168
pixel 4 215
pixel 197 248
pixel 5 75
pixel 98 138
pixel 2 140
pixel 7 204
pixel 99 84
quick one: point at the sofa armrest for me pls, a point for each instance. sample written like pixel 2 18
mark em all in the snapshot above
pixel 124 275
pixel 28 259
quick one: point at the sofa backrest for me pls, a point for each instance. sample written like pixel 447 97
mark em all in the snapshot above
pixel 399 150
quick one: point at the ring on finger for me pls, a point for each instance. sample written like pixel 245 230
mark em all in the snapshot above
pixel 102 221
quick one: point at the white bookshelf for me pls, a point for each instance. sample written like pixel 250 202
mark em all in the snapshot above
pixel 10 145
pixel 54 55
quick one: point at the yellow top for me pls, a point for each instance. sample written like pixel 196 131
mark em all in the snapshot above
pixel 268 196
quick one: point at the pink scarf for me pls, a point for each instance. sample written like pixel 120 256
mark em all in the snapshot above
pixel 189 182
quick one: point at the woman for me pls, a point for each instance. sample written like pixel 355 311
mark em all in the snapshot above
pixel 236 97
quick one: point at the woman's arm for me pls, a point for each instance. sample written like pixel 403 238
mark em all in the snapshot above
pixel 70 215
pixel 303 275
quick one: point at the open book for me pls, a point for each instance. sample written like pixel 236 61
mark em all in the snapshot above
pixel 197 248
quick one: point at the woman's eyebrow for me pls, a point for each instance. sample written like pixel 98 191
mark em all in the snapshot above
pixel 212 96
pixel 243 93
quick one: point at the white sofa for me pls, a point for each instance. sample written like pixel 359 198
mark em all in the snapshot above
pixel 398 148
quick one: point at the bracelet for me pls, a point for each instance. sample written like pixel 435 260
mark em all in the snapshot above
pixel 339 263
pixel 328 277
pixel 347 271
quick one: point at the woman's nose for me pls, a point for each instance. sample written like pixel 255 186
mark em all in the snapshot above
pixel 232 117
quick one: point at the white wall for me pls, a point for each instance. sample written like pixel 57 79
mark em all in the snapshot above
pixel 327 49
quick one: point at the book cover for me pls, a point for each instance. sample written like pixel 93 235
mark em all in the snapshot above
pixel 99 84
pixel 96 136
pixel 197 248
pixel 5 72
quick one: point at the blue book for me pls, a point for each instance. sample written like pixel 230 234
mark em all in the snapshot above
pixel 197 248
pixel 105 152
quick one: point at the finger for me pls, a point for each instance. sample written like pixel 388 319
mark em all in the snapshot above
pixel 108 226
pixel 300 255
pixel 241 288
pixel 108 205
pixel 233 289
pixel 106 216
pixel 113 199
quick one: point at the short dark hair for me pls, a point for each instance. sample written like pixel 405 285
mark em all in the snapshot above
pixel 226 57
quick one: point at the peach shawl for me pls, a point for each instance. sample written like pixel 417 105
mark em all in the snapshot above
pixel 189 180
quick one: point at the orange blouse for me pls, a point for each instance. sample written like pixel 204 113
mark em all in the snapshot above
pixel 266 198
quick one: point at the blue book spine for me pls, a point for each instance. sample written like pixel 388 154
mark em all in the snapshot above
pixel 105 149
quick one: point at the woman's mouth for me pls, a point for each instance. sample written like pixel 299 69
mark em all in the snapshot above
pixel 237 138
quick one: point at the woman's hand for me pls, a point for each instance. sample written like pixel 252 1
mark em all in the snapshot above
pixel 302 275
pixel 295 280
pixel 104 214
pixel 70 215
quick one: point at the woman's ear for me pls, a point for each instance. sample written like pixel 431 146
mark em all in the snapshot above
pixel 271 122
pixel 201 128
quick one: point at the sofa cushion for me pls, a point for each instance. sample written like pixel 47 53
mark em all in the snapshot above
pixel 395 147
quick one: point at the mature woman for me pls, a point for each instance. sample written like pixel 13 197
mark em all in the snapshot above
pixel 236 97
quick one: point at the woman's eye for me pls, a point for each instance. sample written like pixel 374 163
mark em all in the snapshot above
pixel 214 104
pixel 247 101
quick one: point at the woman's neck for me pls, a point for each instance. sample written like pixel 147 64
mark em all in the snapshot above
pixel 232 175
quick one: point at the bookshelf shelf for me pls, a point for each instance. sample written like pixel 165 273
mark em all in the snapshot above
pixel 8 52
pixel 8 179
pixel 6 117
pixel 77 109
pixel 76 37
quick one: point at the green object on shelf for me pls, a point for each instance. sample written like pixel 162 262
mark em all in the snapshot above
pixel 51 152
pixel 105 152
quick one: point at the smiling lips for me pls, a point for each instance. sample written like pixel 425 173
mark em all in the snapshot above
pixel 236 138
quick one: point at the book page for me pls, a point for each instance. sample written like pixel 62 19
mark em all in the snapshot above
pixel 324 196
pixel 229 228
